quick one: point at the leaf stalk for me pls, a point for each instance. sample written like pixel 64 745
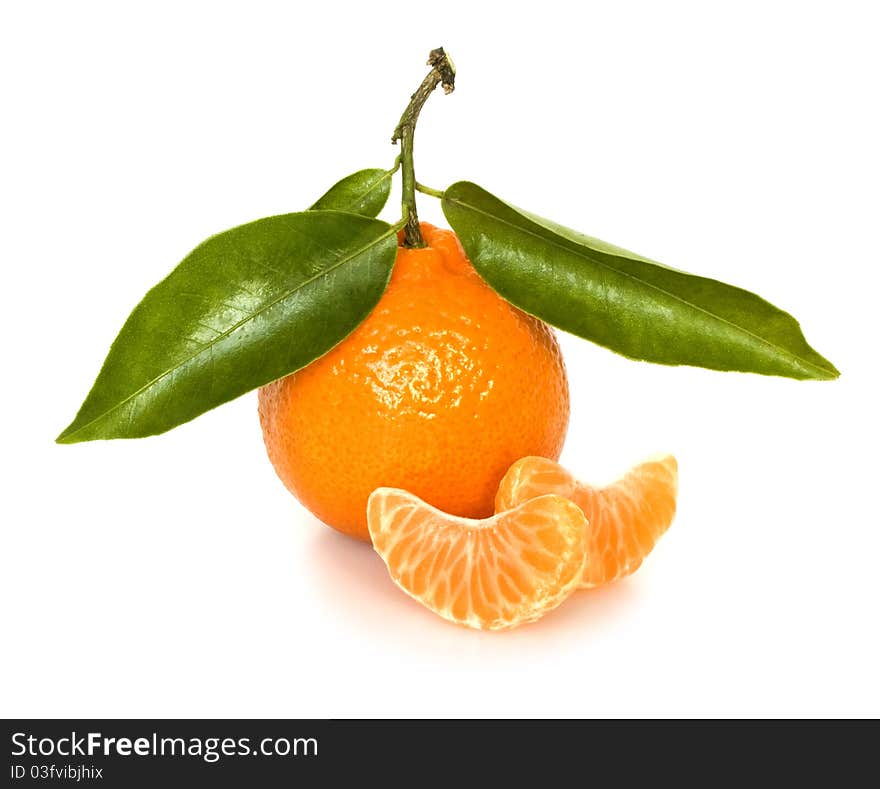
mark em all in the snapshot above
pixel 427 190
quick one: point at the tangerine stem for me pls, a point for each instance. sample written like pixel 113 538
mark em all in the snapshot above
pixel 442 73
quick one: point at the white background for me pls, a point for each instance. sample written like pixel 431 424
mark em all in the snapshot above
pixel 175 576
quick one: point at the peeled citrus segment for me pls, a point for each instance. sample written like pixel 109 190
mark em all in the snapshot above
pixel 488 574
pixel 625 518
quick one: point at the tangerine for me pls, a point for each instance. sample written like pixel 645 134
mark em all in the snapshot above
pixel 440 389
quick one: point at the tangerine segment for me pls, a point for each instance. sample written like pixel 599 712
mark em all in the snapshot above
pixel 625 518
pixel 488 574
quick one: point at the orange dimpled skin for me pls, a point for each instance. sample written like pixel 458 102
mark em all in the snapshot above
pixel 487 574
pixel 438 391
pixel 625 518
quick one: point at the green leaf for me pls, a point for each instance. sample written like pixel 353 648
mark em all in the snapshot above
pixel 364 192
pixel 623 301
pixel 244 308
